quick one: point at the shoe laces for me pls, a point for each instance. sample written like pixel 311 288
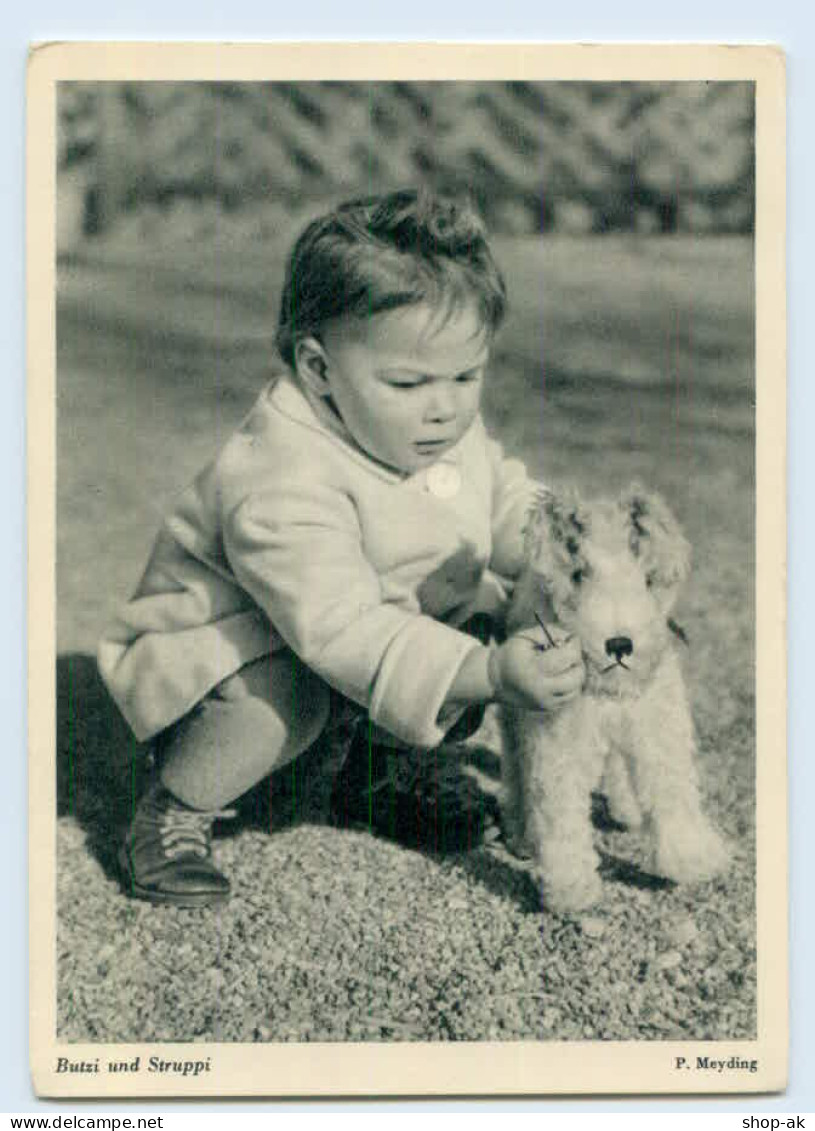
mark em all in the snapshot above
pixel 186 831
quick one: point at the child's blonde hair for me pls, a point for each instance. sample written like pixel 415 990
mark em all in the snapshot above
pixel 380 253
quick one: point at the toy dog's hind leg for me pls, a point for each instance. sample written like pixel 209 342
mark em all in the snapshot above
pixel 662 757
pixel 618 790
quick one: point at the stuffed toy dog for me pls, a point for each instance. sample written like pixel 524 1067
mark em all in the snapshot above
pixel 609 572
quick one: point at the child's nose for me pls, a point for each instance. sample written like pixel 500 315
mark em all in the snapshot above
pixel 442 405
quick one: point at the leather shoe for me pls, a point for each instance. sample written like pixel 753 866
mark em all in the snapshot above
pixel 166 855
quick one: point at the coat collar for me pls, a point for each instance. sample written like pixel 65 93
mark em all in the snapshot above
pixel 289 397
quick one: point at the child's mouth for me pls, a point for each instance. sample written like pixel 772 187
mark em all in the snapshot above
pixel 428 446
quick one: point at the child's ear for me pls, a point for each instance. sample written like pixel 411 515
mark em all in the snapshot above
pixel 311 365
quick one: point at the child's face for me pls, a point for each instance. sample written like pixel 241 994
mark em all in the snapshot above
pixel 407 388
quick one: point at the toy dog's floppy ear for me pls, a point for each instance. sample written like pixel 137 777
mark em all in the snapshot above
pixel 555 529
pixel 656 538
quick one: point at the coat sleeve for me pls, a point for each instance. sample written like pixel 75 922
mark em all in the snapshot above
pixel 513 493
pixel 297 550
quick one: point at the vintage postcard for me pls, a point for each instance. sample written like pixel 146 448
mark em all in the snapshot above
pixel 407 569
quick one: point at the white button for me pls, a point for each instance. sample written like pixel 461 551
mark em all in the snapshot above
pixel 443 480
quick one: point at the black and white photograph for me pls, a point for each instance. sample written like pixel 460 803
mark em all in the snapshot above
pixel 406 496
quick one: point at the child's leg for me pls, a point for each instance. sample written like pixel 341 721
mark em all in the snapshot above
pixel 255 721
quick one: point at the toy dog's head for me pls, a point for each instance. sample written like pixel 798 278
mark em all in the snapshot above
pixel 610 572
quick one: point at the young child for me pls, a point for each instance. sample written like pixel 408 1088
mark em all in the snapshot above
pixel 338 549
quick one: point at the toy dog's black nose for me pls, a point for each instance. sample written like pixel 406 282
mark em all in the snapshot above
pixel 619 646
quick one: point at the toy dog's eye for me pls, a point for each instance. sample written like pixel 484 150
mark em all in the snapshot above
pixel 578 576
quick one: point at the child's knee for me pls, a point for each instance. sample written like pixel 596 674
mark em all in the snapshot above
pixel 297 697
pixel 246 683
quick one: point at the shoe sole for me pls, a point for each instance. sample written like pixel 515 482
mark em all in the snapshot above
pixel 152 895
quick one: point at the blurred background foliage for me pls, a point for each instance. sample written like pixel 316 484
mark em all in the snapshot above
pixel 158 161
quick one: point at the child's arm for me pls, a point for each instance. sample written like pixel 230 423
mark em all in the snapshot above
pixel 296 549
pixel 526 671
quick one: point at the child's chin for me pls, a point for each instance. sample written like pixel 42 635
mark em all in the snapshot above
pixel 419 460
pixel 402 465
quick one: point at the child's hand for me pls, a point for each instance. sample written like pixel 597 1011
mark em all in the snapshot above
pixel 528 671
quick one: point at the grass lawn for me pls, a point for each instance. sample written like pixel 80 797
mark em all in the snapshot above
pixel 622 359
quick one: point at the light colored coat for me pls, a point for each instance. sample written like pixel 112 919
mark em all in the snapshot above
pixel 294 537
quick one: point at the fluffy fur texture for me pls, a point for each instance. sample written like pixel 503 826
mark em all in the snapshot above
pixel 610 573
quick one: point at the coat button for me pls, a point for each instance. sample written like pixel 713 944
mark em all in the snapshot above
pixel 443 480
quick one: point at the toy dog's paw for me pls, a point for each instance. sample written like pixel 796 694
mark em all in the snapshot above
pixel 578 895
pixel 691 854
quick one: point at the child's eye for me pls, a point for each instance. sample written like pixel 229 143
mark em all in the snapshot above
pixel 470 376
pixel 406 384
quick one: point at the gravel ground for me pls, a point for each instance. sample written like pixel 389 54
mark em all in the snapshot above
pixel 321 945
pixel 422 927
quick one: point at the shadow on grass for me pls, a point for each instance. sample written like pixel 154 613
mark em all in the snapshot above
pixel 617 871
pixel 100 766
pixel 102 771
pixel 439 802
pixel 507 876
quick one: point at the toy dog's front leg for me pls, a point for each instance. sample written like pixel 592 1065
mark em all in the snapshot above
pixel 559 761
pixel 686 847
